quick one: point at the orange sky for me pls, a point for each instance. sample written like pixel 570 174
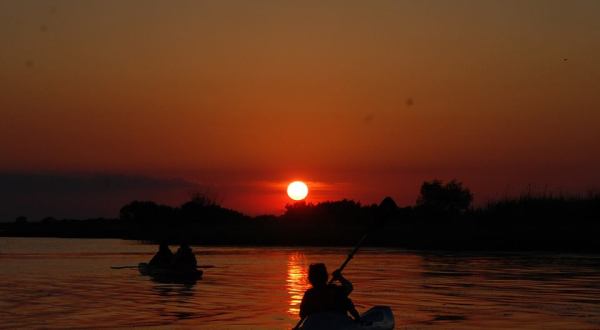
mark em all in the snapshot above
pixel 363 98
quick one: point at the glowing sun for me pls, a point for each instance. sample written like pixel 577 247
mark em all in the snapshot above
pixel 297 190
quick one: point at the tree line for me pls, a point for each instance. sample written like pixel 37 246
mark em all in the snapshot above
pixel 443 217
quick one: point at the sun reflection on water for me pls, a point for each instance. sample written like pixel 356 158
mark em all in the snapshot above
pixel 296 281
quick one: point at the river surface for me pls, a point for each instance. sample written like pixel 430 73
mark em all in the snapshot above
pixel 66 283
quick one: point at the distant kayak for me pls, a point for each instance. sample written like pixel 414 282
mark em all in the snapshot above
pixel 169 274
pixel 376 318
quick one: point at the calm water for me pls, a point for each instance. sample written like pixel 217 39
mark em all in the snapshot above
pixel 62 283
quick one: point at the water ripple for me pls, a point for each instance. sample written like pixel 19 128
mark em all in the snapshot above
pixel 55 283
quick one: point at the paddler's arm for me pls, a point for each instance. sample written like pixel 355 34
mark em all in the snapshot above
pixel 349 307
pixel 346 285
pixel 303 312
pixel 354 313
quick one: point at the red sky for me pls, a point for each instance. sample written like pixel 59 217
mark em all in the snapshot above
pixel 362 99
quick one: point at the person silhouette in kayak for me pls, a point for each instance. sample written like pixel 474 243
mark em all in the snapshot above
pixel 184 259
pixel 163 258
pixel 323 297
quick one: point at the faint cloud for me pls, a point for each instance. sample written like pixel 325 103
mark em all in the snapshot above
pixel 38 195
pixel 282 185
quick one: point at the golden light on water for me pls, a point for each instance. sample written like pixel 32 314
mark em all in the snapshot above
pixel 297 282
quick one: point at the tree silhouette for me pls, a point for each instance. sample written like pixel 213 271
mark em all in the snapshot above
pixel 437 197
pixel 145 212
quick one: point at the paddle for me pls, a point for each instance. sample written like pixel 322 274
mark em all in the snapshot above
pixel 386 209
pixel 125 267
pixel 122 267
pixel 351 255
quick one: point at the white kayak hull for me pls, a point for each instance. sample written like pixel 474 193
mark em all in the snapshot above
pixel 376 318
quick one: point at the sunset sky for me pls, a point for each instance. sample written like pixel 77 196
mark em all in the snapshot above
pixel 103 102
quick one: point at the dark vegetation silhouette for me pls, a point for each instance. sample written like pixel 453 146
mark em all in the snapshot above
pixel 442 218
pixel 437 198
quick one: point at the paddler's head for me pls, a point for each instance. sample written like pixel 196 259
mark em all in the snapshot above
pixel 317 274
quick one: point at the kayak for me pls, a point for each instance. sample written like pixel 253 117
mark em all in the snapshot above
pixel 169 274
pixel 376 318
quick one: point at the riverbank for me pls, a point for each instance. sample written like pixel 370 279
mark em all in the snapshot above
pixel 526 224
